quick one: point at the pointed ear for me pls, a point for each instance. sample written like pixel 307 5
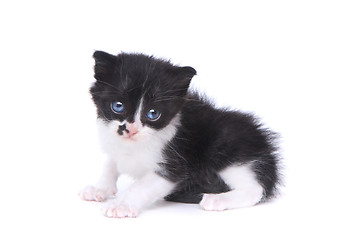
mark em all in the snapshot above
pixel 183 76
pixel 104 65
pixel 187 72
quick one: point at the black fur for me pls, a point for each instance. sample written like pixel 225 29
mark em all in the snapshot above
pixel 208 139
pixel 128 77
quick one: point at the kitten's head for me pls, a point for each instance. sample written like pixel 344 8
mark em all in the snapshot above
pixel 138 95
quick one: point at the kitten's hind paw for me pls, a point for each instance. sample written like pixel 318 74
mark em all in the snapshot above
pixel 90 193
pixel 213 202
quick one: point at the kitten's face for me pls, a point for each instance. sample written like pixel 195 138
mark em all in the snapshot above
pixel 136 95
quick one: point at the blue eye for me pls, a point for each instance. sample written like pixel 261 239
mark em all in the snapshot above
pixel 153 115
pixel 117 107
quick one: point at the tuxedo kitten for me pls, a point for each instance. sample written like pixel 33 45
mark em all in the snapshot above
pixel 174 143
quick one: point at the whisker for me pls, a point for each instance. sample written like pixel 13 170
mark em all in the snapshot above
pixel 103 114
pixel 171 91
pixel 108 93
pixel 178 154
pixel 185 139
pixel 108 84
pixel 166 99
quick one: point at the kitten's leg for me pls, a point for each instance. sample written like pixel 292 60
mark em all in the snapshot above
pixel 105 187
pixel 246 191
pixel 141 194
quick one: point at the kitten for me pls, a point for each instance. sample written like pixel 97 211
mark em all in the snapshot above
pixel 173 142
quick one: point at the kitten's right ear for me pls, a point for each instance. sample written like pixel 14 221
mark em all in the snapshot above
pixel 104 65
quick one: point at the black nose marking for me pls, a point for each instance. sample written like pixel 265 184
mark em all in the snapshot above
pixel 121 129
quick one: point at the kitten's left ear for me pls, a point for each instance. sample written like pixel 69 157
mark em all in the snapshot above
pixel 187 72
pixel 183 77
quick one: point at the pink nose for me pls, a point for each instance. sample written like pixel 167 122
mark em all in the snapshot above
pixel 132 130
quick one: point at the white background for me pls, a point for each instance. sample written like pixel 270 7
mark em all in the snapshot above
pixel 293 63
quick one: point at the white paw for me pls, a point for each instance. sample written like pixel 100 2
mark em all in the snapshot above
pixel 90 193
pixel 213 202
pixel 119 210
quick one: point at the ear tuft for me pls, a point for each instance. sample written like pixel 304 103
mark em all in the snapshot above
pixel 104 65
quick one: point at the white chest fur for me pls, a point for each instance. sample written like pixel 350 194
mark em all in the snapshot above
pixel 137 156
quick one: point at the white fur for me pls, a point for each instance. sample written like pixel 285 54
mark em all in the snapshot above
pixel 105 187
pixel 138 112
pixel 246 191
pixel 142 193
pixel 137 156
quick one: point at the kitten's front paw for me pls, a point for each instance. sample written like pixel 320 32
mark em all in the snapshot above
pixel 119 210
pixel 91 193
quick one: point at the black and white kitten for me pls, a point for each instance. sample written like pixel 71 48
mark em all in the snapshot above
pixel 173 142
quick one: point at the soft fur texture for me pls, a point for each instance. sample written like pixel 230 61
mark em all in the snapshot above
pixel 193 152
